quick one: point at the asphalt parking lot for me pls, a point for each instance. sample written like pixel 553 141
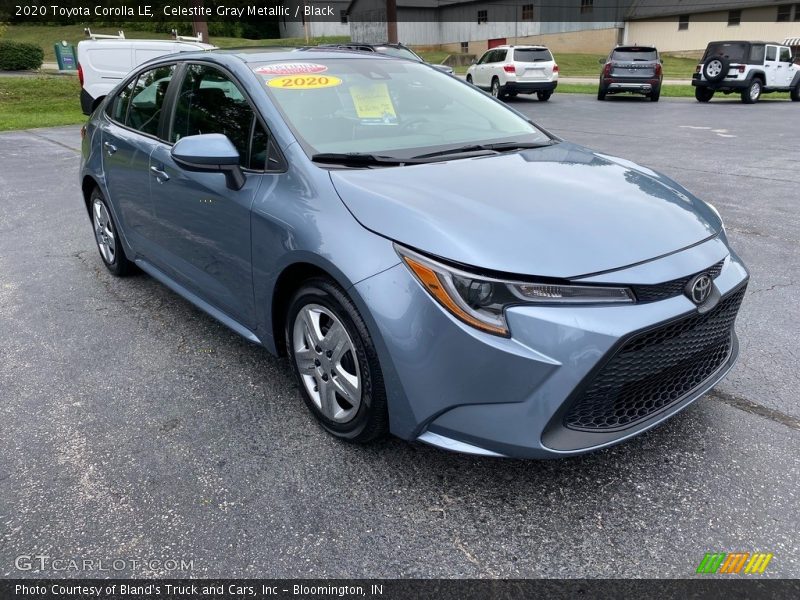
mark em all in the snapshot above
pixel 136 427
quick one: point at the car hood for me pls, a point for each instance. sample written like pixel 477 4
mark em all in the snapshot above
pixel 557 211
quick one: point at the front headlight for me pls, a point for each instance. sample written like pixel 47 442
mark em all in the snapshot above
pixel 481 301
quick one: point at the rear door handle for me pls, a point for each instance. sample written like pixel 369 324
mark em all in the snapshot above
pixel 110 148
pixel 161 176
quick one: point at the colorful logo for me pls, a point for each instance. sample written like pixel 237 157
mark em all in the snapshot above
pixel 734 562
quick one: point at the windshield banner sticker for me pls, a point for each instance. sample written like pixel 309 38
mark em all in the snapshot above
pixel 291 69
pixel 300 82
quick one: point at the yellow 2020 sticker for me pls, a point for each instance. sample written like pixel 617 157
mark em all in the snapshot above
pixel 304 82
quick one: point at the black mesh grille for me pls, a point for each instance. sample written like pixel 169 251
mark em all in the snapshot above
pixel 668 289
pixel 656 368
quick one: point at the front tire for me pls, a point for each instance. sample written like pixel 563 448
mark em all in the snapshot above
pixel 543 96
pixel 469 79
pixel 107 237
pixel 752 93
pixel 335 362
pixel 795 93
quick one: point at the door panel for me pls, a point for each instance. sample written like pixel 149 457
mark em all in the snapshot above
pixel 771 66
pixel 203 233
pixel 126 161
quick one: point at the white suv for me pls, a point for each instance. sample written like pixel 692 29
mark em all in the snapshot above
pixel 512 70
pixel 749 68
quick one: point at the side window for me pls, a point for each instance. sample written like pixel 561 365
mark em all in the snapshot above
pixel 772 53
pixel 147 99
pixel 209 102
pixel 786 54
pixel 485 58
pixel 118 108
pixel 500 55
pixel 757 54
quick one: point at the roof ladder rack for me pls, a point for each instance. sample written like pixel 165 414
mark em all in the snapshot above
pixel 101 36
pixel 187 38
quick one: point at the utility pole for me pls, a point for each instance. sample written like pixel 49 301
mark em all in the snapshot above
pixel 199 23
pixel 391 21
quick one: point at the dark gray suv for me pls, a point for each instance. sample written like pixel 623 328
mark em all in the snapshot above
pixel 635 69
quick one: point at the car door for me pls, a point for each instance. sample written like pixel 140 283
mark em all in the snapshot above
pixel 204 226
pixel 784 68
pixel 129 135
pixel 481 79
pixel 771 67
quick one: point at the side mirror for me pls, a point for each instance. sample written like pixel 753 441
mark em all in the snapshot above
pixel 474 61
pixel 661 60
pixel 601 61
pixel 209 153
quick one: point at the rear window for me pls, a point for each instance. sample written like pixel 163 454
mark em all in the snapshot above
pixel 635 54
pixel 399 52
pixel 529 55
pixel 735 52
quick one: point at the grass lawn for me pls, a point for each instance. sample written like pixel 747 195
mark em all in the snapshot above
pixel 47 36
pixel 39 102
pixel 587 65
pixel 667 91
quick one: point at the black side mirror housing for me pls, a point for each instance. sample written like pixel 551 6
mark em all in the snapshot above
pixel 210 152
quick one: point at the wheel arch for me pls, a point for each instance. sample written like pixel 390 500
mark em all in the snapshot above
pixel 286 284
pixel 87 186
pixel 757 75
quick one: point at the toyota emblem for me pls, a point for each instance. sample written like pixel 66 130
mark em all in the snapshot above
pixel 699 288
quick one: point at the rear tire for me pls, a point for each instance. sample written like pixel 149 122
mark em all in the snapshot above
pixel 601 93
pixel 346 392
pixel 107 237
pixel 543 96
pixel 753 92
pixel 703 94
pixel 655 95
pixel 496 89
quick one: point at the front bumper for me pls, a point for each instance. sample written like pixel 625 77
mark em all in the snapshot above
pixel 530 87
pixel 460 389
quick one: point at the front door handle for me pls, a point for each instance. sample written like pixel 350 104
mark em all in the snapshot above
pixel 161 176
pixel 110 148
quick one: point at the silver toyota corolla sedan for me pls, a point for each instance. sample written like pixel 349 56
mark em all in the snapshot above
pixel 432 263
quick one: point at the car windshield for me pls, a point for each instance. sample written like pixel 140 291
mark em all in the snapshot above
pixel 387 107
pixel 731 51
pixel 530 55
pixel 398 52
pixel 635 54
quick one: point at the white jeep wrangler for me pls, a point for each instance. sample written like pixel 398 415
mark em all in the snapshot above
pixel 750 68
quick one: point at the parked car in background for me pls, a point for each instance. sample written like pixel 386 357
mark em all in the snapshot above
pixel 103 61
pixel 631 69
pixel 430 261
pixel 511 70
pixel 398 50
pixel 749 68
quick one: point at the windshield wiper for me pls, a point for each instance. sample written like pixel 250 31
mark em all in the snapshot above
pixel 493 148
pixel 360 159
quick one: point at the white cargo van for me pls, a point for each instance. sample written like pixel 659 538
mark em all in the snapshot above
pixel 103 61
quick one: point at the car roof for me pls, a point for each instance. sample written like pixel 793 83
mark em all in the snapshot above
pixel 520 47
pixel 629 47
pixel 256 54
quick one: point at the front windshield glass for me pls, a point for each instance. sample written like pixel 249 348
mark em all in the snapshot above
pixel 387 107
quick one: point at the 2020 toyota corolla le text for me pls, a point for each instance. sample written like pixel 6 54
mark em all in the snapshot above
pixel 433 264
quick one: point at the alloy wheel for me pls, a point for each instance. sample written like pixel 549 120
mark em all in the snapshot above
pixel 104 231
pixel 326 360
